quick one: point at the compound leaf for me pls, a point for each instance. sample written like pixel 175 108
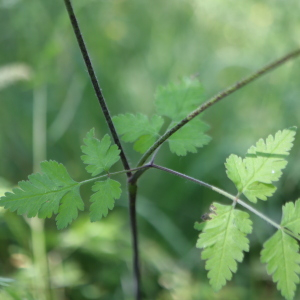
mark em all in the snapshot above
pixel 189 138
pixel 281 254
pixel 223 240
pixel 106 192
pixel 255 174
pixel 176 100
pixel 139 129
pixel 52 192
pixel 99 155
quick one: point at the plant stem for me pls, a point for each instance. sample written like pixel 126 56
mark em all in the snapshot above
pixel 114 173
pixel 132 192
pixel 132 188
pixel 221 95
pixel 232 197
pixel 95 83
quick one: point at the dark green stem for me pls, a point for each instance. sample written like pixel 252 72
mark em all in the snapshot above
pixel 238 85
pixel 95 83
pixel 132 192
pixel 132 188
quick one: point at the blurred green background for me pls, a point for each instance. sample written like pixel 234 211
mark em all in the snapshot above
pixel 48 105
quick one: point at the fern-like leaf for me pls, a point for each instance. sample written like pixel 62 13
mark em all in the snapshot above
pixel 106 192
pixel 139 129
pixel 99 155
pixel 223 240
pixel 53 192
pixel 254 175
pixel 281 253
pixel 176 100
pixel 189 138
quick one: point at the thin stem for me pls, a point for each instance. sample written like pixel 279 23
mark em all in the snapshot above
pixel 132 192
pixel 132 188
pixel 223 94
pixel 232 197
pixel 114 173
pixel 95 83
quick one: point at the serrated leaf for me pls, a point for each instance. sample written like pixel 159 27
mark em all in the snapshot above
pixel 46 194
pixel 139 129
pixel 99 155
pixel 281 254
pixel 255 174
pixel 176 100
pixel 189 138
pixel 223 241
pixel 291 216
pixel 106 192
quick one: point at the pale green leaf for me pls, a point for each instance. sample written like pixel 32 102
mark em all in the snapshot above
pixel 45 194
pixel 139 129
pixel 281 254
pixel 255 174
pixel 189 138
pixel 176 100
pixel 106 192
pixel 99 155
pixel 291 216
pixel 223 241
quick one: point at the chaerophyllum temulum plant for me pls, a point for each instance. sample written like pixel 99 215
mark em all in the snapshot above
pixel 224 230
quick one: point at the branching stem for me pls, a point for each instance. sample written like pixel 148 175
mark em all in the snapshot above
pixel 141 168
pixel 223 94
pixel 132 187
pixel 114 173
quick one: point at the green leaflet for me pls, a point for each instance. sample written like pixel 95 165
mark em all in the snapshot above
pixel 139 129
pixel 281 253
pixel 223 240
pixel 99 155
pixel 189 138
pixel 291 216
pixel 104 198
pixel 254 175
pixel 53 192
pixel 176 100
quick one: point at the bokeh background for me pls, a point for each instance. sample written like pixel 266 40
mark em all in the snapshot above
pixel 47 105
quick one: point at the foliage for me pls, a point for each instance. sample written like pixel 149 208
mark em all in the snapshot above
pixel 174 101
pixel 223 233
pixel 253 176
pixel 133 53
pixel 224 239
pixel 55 192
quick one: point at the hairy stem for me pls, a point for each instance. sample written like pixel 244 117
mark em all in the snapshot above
pixel 95 83
pixel 223 94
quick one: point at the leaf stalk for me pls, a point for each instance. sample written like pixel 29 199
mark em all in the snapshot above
pixel 224 193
